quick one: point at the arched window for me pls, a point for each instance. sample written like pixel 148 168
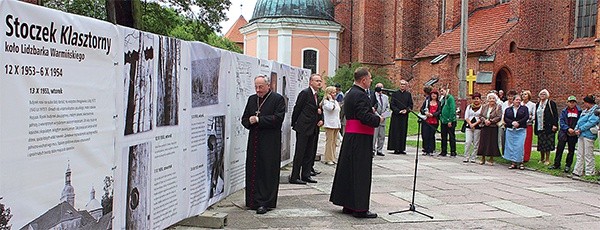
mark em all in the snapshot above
pixel 309 59
pixel 513 47
pixel 585 18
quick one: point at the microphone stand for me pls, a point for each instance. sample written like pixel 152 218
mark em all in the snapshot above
pixel 412 207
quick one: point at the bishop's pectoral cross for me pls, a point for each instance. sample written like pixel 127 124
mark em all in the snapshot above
pixel 257 112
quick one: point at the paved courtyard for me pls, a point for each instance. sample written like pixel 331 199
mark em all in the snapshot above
pixel 458 195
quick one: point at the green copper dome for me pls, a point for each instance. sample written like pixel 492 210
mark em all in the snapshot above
pixel 315 9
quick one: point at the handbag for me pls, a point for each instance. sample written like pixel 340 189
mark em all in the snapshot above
pixel 464 126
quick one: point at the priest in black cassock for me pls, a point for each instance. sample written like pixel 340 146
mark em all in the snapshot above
pixel 263 116
pixel 352 182
pixel 401 105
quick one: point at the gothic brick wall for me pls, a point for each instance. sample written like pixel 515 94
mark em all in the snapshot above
pixel 546 55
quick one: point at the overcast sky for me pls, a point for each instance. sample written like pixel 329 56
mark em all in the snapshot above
pixel 234 13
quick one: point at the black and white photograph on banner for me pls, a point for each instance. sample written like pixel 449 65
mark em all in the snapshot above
pixel 286 129
pixel 169 60
pixel 273 79
pixel 216 150
pixel 206 63
pixel 244 78
pixel 96 213
pixel 138 72
pixel 138 186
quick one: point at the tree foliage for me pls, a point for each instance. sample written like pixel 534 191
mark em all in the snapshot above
pixel 107 197
pixel 4 217
pixel 90 8
pixel 345 76
pixel 195 20
pixel 223 43
pixel 167 21
pixel 207 12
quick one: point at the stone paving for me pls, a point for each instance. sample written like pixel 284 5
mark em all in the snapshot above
pixel 458 195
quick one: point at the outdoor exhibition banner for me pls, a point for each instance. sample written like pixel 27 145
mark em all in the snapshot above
pixel 206 159
pixel 241 80
pixel 103 126
pixel 57 92
pixel 151 136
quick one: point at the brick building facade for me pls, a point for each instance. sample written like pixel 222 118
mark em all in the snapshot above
pixel 513 44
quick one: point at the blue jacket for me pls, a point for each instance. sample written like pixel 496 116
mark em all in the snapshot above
pixel 564 126
pixel 586 121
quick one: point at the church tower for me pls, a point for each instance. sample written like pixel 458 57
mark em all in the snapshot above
pixel 300 33
pixel 68 193
pixel 93 206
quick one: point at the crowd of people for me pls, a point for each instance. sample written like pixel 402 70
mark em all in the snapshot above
pixel 495 125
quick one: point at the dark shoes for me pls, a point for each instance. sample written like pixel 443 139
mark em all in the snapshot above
pixel 315 172
pixel 309 180
pixel 261 210
pixel 553 167
pixel 453 154
pixel 567 169
pixel 442 154
pixel 347 211
pixel 380 154
pixel 397 152
pixel 296 181
pixel 366 214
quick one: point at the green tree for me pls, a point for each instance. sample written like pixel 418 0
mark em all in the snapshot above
pixel 4 217
pixel 196 20
pixel 209 13
pixel 90 8
pixel 167 21
pixel 345 76
pixel 223 43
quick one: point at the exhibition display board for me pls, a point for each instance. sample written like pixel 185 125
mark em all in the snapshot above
pixel 102 125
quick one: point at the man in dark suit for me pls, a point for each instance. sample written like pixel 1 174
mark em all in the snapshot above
pixel 306 120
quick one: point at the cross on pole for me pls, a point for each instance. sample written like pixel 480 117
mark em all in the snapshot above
pixel 471 79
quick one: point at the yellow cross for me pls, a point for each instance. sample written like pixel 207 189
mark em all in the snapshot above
pixel 471 79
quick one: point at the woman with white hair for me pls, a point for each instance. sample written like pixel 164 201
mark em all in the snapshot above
pixel 490 115
pixel 546 125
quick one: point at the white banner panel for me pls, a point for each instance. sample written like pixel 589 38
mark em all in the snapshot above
pixel 93 113
pixel 153 111
pixel 206 158
pixel 56 118
pixel 245 68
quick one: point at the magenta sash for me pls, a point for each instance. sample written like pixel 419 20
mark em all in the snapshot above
pixel 355 126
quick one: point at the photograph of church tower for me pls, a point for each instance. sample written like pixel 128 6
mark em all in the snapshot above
pixel 66 216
